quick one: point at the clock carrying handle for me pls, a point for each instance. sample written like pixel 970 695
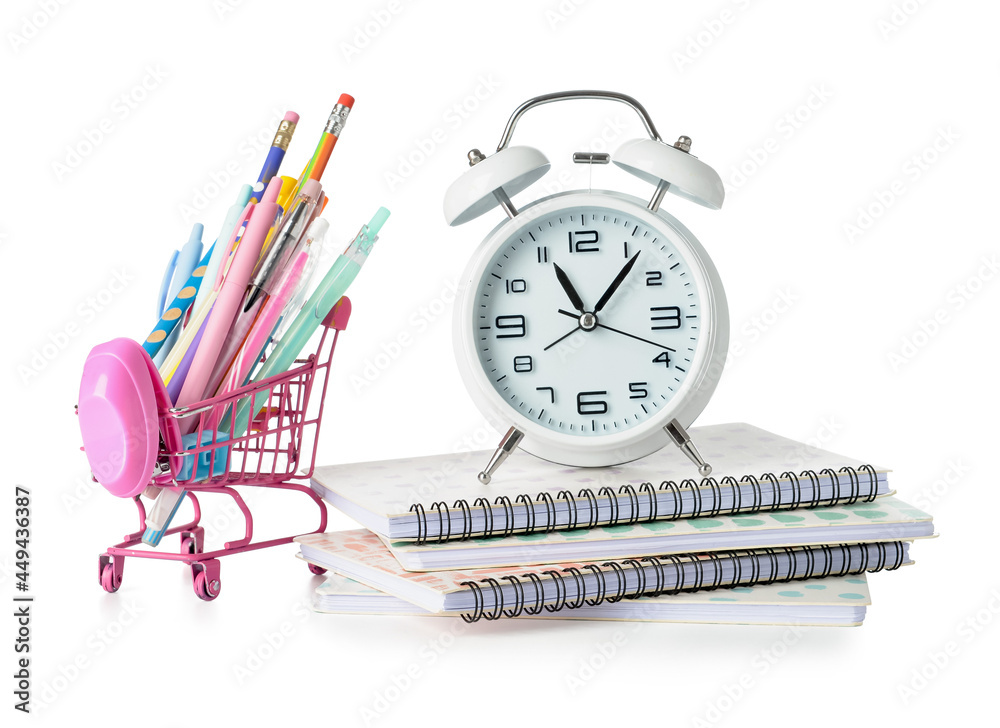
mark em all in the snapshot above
pixel 571 95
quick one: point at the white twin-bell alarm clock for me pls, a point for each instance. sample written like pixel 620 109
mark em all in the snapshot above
pixel 592 325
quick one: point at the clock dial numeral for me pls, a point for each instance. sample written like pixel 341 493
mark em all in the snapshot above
pixel 669 315
pixel 591 406
pixel 663 358
pixel 622 372
pixel 584 241
pixel 638 389
pixel 523 364
pixel 514 324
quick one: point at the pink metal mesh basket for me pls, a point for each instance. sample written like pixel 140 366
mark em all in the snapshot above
pixel 278 445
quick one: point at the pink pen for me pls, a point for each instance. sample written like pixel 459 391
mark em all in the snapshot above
pixel 228 301
pixel 261 332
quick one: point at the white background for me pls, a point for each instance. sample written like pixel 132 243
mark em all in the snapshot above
pixel 812 117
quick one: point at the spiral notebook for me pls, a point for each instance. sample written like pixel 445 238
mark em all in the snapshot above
pixel 836 601
pixel 439 498
pixel 888 519
pixel 512 592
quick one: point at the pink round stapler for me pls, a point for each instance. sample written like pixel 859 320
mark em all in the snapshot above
pixel 120 394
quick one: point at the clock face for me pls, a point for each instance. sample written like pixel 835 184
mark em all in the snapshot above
pixel 586 319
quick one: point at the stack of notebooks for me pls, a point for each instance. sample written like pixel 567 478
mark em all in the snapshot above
pixel 782 533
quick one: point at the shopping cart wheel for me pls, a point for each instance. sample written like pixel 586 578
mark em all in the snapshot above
pixel 109 580
pixel 317 570
pixel 207 583
pixel 189 544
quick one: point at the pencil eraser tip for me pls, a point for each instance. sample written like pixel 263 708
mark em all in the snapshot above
pixel 346 100
pixel 291 116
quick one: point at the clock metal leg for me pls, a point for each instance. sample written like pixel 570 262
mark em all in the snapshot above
pixel 661 190
pixel 475 157
pixel 680 437
pixel 505 202
pixel 505 448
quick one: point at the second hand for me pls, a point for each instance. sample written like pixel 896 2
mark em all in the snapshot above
pixel 617 331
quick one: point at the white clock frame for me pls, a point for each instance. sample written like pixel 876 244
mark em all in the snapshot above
pixel 645 437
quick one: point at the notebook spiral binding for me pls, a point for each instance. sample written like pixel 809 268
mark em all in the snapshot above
pixel 461 513
pixel 890 557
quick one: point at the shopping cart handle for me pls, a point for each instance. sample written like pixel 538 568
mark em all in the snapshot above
pixel 339 315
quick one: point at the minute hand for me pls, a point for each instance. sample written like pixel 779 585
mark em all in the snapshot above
pixel 615 283
pixel 619 331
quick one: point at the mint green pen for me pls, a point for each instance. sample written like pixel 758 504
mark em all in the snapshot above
pixel 336 282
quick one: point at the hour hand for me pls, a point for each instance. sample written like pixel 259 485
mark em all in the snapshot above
pixel 567 286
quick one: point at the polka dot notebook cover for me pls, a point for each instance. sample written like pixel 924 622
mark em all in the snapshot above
pixel 439 498
pixel 523 591
pixel 833 601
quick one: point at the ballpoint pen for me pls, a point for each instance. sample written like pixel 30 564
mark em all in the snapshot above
pixel 222 251
pixel 276 153
pixel 186 340
pixel 175 310
pixel 264 325
pixel 177 377
pixel 228 300
pixel 314 239
pixel 223 310
pixel 168 275
pixel 293 226
pixel 286 246
pixel 340 276
pixel 186 262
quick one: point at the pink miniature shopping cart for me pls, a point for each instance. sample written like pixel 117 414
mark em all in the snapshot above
pixel 270 454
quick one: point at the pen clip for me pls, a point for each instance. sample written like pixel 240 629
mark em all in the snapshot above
pixel 231 246
pixel 168 275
